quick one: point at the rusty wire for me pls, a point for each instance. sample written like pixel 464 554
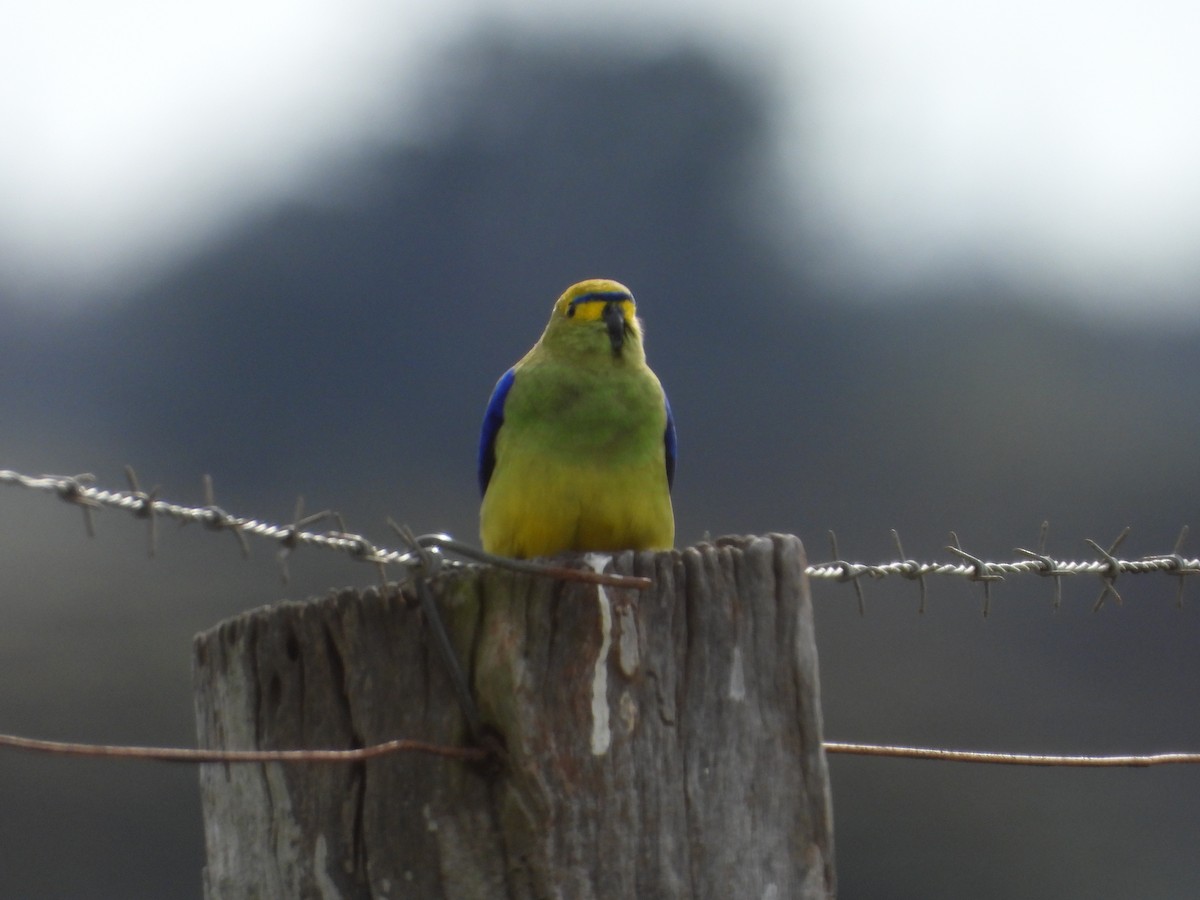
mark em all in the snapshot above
pixel 480 754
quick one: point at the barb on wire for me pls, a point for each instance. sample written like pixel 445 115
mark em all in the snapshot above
pixel 216 519
pixel 74 489
pixel 1112 567
pixel 299 522
pixel 1050 567
pixel 980 571
pixel 145 509
pixel 847 571
pixel 1178 566
pixel 911 569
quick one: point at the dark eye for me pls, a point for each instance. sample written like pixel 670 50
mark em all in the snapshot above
pixel 571 311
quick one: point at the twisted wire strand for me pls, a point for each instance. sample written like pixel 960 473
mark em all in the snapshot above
pixel 78 490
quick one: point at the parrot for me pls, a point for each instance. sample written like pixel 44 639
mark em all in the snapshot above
pixel 577 448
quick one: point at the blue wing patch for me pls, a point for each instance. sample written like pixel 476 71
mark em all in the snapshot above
pixel 669 441
pixel 493 419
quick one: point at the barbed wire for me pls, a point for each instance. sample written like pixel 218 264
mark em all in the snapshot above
pixel 423 552
pixel 1107 567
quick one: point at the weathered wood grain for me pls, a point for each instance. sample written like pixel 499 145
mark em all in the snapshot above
pixel 664 743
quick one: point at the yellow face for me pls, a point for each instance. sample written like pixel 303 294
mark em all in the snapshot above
pixel 585 301
pixel 601 300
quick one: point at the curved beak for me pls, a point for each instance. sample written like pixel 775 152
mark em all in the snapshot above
pixel 614 321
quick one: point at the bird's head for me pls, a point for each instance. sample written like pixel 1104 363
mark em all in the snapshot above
pixel 597 313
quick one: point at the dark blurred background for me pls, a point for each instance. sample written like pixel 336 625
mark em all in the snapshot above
pixel 339 342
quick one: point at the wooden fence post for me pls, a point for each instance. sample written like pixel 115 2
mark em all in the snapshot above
pixel 662 743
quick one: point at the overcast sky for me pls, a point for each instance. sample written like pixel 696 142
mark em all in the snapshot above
pixel 1055 142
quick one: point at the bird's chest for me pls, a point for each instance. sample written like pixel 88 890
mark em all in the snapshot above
pixel 591 413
